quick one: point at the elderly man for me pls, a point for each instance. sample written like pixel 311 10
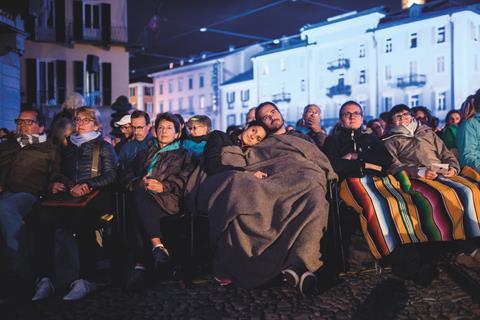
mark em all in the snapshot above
pixel 140 125
pixel 310 124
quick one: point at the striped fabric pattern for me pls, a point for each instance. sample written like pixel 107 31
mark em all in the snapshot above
pixel 397 210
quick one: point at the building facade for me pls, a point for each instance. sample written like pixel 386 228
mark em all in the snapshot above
pixel 75 46
pixel 141 97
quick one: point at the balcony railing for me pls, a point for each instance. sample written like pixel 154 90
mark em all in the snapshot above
pixel 412 80
pixel 45 34
pixel 339 64
pixel 119 34
pixel 338 90
pixel 280 97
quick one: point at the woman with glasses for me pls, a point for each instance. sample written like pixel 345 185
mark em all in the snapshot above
pixel 78 180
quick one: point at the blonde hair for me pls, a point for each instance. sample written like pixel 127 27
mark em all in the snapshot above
pixel 90 113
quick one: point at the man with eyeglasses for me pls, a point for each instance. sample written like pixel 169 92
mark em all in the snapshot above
pixel 125 126
pixel 140 125
pixel 310 124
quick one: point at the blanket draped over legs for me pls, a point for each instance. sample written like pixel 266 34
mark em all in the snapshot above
pixel 262 226
pixel 402 210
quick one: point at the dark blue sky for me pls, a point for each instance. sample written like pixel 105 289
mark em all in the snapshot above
pixel 177 32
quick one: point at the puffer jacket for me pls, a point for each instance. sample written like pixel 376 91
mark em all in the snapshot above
pixel 368 147
pixel 420 149
pixel 77 163
pixel 468 142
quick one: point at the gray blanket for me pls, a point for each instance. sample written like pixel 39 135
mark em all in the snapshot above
pixel 260 227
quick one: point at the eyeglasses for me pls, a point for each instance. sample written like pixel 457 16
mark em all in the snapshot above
pixel 83 120
pixel 355 114
pixel 312 113
pixel 269 115
pixel 138 128
pixel 402 115
pixel 26 122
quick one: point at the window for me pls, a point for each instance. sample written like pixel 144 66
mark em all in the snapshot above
pixel 413 40
pixel 388 72
pixel 362 52
pixel 283 66
pixel 161 106
pixel 170 105
pixel 132 92
pixel 202 102
pixel 180 103
pixel 302 85
pixel 231 120
pixel 440 34
pixel 91 21
pixel 243 118
pixel 148 91
pixel 170 86
pixel 266 71
pixel 245 95
pixel 230 99
pixel 414 100
pixel 160 88
pixel 441 98
pixel 413 67
pixel 387 103
pixel 388 45
pixel 149 107
pixel 180 84
pixel 190 104
pixel 190 83
pixel 201 81
pixel 441 64
pixel 363 77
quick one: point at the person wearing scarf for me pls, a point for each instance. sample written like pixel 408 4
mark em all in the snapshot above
pixel 157 179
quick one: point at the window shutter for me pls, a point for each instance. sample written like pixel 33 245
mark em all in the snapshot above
pixel 42 81
pixel 78 77
pixel 60 20
pixel 61 81
pixel 31 74
pixel 50 81
pixel 77 20
pixel 106 23
pixel 107 83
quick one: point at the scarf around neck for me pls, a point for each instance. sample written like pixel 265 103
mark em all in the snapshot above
pixel 172 146
pixel 27 139
pixel 79 139
pixel 411 127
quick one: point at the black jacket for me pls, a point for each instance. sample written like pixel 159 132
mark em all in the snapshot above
pixel 77 163
pixel 213 152
pixel 368 147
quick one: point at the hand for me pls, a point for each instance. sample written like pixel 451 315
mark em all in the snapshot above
pixel 152 184
pixel 80 190
pixel 372 166
pixel 351 156
pixel 57 187
pixel 260 174
pixel 451 172
pixel 429 174
pixel 313 125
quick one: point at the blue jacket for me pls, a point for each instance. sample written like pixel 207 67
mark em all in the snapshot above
pixel 130 150
pixel 468 142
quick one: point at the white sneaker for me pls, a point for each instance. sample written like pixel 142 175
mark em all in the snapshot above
pixel 43 290
pixel 80 289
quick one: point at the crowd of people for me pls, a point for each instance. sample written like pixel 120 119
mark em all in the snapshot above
pixel 263 187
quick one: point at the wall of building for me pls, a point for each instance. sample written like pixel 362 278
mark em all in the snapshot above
pixel 234 111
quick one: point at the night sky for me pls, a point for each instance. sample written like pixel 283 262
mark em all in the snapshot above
pixel 176 31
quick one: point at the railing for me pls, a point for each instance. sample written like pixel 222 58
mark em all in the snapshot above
pixel 412 80
pixel 339 90
pixel 280 97
pixel 45 34
pixel 339 64
pixel 119 34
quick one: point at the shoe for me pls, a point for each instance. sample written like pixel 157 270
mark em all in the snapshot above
pixel 161 257
pixel 308 284
pixel 80 289
pixel 136 280
pixel 290 277
pixel 43 290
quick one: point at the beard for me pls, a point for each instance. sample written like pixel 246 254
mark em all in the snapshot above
pixel 276 125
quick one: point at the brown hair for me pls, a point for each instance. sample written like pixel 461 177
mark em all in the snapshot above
pixel 90 113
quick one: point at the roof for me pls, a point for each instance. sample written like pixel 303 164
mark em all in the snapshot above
pixel 291 43
pixel 247 75
pixel 144 79
pixel 428 10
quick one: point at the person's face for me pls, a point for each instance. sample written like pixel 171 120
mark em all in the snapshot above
pixel 127 130
pixel 271 117
pixel 377 129
pixel 421 116
pixel 351 117
pixel 166 133
pixel 197 129
pixel 27 123
pixel 454 118
pixel 84 124
pixel 139 128
pixel 402 118
pixel 312 115
pixel 253 135
pixel 250 116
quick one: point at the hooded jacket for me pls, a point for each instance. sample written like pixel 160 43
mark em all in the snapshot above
pixel 468 142
pixel 420 148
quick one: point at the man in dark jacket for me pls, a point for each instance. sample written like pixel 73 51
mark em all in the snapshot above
pixel 140 124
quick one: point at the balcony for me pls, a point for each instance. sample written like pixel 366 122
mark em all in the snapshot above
pixel 339 64
pixel 412 80
pixel 114 34
pixel 282 97
pixel 119 34
pixel 339 89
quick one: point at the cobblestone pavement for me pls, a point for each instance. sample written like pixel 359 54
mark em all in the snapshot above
pixel 363 295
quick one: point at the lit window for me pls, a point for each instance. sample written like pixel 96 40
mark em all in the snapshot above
pixel 414 100
pixel 441 101
pixel 230 99
pixel 231 120
pixel 132 92
pixel 245 95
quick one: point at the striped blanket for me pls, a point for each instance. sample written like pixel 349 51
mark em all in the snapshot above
pixel 398 209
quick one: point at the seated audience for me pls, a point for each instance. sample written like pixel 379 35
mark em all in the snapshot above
pixel 310 124
pixel 377 128
pixel 449 132
pixel 468 137
pixel 199 128
pixel 140 124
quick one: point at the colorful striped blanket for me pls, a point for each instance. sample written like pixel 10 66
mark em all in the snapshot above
pixel 398 209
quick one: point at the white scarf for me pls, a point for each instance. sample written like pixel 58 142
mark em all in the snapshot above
pixel 27 139
pixel 411 127
pixel 79 139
